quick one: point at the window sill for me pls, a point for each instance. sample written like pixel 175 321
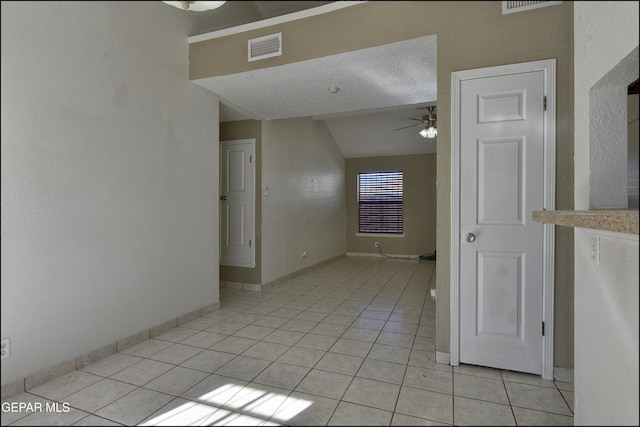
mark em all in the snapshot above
pixel 379 235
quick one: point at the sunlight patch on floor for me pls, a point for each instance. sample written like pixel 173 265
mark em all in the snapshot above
pixel 249 400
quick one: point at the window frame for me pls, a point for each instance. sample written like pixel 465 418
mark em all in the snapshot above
pixel 389 204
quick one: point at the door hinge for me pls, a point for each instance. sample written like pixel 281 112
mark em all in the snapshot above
pixel 542 328
pixel 251 157
pixel 544 103
pixel 250 246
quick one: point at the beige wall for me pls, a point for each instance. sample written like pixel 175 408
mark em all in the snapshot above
pixel 419 204
pixel 247 129
pixel 470 35
pixel 304 170
pixel 109 179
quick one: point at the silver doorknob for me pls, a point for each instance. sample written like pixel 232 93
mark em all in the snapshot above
pixel 470 237
pixel 223 198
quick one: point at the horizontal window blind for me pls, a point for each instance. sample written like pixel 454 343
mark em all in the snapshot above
pixel 380 202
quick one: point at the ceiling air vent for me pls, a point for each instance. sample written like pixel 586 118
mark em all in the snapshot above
pixel 265 47
pixel 519 6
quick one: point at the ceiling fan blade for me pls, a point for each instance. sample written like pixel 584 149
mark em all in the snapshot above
pixel 420 124
pixel 411 118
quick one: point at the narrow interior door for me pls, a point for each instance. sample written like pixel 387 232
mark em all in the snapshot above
pixel 237 196
pixel 501 248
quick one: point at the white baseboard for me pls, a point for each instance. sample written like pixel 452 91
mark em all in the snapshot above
pixel 563 374
pixel 377 255
pixel 240 285
pixel 41 376
pixel 442 357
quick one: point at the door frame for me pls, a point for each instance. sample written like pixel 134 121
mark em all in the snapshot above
pixel 549 164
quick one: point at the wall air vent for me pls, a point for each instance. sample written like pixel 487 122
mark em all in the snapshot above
pixel 265 47
pixel 519 6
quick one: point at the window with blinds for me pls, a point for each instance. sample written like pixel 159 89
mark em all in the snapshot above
pixel 380 202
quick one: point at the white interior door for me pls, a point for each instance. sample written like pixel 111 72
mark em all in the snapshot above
pixel 237 195
pixel 501 260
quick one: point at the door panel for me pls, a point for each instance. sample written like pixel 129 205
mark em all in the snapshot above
pixel 501 106
pixel 237 161
pixel 501 248
pixel 499 288
pixel 235 232
pixel 500 195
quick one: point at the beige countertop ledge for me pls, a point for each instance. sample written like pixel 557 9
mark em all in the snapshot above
pixel 621 221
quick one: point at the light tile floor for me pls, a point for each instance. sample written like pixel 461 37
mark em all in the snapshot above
pixel 349 343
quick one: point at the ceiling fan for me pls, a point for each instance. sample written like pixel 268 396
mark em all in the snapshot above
pixel 428 123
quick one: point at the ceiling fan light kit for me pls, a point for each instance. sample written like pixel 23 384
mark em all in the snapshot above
pixel 429 132
pixel 428 123
pixel 196 6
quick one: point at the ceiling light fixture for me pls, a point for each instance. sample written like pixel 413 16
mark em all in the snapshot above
pixel 429 131
pixel 196 6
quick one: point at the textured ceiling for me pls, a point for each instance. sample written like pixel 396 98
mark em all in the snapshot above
pixel 380 89
pixel 390 75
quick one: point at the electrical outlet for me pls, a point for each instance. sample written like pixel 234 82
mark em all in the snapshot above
pixel 376 244
pixel 5 348
pixel 303 254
